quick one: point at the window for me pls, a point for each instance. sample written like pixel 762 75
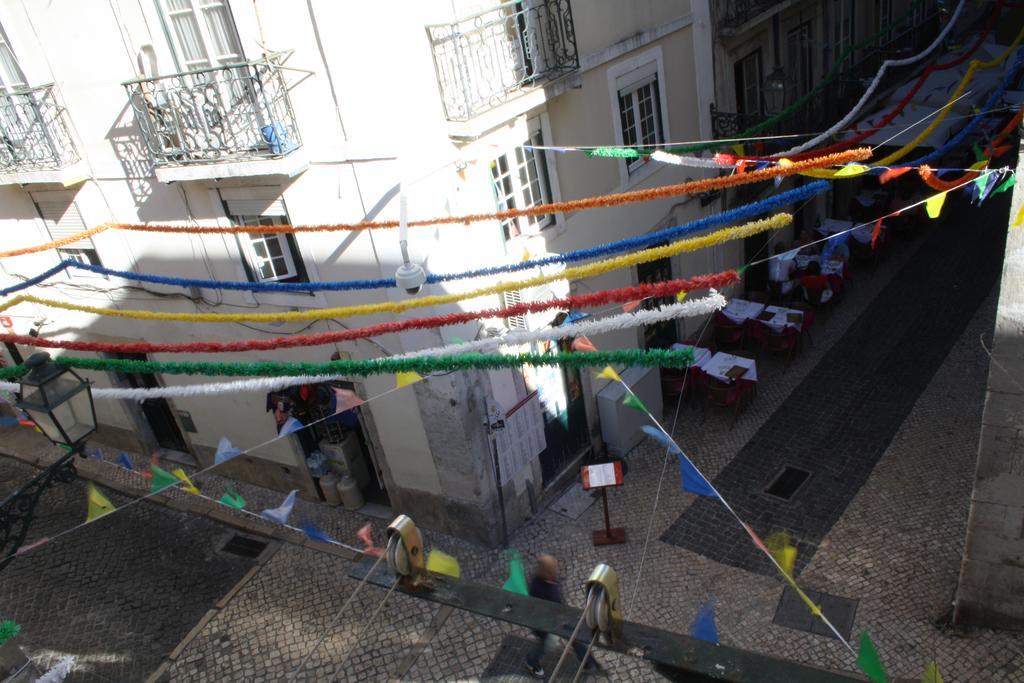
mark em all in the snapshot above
pixel 883 19
pixel 512 298
pixel 748 84
pixel 266 257
pixel 640 115
pixel 11 76
pixel 62 219
pixel 842 18
pixel 519 178
pixel 800 58
pixel 202 32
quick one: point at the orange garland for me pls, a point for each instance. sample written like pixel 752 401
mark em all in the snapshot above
pixel 57 243
pixel 995 149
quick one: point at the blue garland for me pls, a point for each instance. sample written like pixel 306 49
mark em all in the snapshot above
pixel 739 213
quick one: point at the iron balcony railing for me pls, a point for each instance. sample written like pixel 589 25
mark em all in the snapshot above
pixel 236 112
pixel 34 132
pixel 485 59
pixel 731 14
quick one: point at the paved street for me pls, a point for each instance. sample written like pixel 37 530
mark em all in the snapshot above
pixel 892 547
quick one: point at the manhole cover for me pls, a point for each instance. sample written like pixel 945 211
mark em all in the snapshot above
pixel 787 482
pixel 244 546
pixel 793 613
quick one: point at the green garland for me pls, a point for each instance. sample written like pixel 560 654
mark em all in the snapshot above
pixel 8 630
pixel 833 73
pixel 422 364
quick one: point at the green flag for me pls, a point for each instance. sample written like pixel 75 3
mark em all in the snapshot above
pixel 232 499
pixel 868 660
pixel 8 629
pixel 979 155
pixel 1004 186
pixel 161 479
pixel 516 582
pixel 631 400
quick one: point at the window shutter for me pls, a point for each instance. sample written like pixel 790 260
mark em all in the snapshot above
pixel 511 298
pixel 254 201
pixel 61 217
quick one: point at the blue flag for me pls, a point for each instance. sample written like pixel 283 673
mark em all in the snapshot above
pixel 124 461
pixel 574 316
pixel 661 438
pixel 6 421
pixel 97 454
pixel 314 533
pixel 692 480
pixel 225 451
pixel 290 425
pixel 703 626
pixel 280 514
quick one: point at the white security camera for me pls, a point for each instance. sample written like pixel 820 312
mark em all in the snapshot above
pixel 410 277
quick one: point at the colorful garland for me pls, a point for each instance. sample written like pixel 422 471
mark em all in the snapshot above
pixel 670 234
pixel 378 366
pixel 580 272
pixel 666 288
pixel 993 149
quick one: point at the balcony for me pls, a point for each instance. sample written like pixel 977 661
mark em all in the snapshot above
pixel 731 15
pixel 35 139
pixel 228 121
pixel 492 57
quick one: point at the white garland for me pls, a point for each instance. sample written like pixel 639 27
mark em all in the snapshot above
pixel 59 672
pixel 706 305
pixel 677 160
pixel 842 123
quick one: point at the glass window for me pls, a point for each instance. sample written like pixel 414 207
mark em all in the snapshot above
pixel 640 114
pixel 270 257
pixel 11 76
pixel 87 256
pixel 748 84
pixel 520 180
pixel 203 33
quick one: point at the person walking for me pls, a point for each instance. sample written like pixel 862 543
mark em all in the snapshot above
pixel 545 585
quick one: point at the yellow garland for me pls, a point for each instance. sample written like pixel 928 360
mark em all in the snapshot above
pixel 775 222
pixel 913 144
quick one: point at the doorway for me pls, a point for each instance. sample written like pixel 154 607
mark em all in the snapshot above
pixel 664 334
pixel 157 412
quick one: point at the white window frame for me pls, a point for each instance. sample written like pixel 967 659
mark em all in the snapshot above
pixel 255 261
pixel 198 10
pixel 517 183
pixel 83 250
pixel 7 80
pixel 621 76
pixel 754 84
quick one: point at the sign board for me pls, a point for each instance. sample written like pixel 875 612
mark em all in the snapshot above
pixel 605 474
pixel 520 438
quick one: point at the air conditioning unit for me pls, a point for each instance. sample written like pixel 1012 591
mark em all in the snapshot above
pixel 620 425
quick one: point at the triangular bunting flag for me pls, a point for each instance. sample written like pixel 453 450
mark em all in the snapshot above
pixel 703 626
pixel 581 343
pixel 782 550
pixel 778 181
pixel 1004 186
pixel 280 514
pixel 98 504
pixel 7 421
pixel 868 660
pixel 979 155
pixel 161 479
pixel 815 610
pixel 756 539
pixel 934 204
pixel 573 317
pixel 516 582
pixel 850 170
pixel 225 451
pixel 738 149
pixel 189 486
pixel 894 173
pixel 404 379
pixel 631 306
pixel 1019 220
pixel 931 674
pixel 741 166
pixel 311 531
pixel 723 159
pixel 365 534
pixel 785 163
pixel 680 296
pixel 661 438
pixel 454 341
pixel 232 499
pixel 608 373
pixel 526 255
pixel 691 479
pixel 346 399
pixel 985 185
pixel 124 461
pixel 290 425
pixel 443 563
pixel 876 232
pixel 631 400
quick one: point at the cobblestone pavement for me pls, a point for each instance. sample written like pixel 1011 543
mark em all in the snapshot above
pixel 896 550
pixel 118 594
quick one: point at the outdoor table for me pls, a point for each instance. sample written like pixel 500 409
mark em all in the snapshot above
pixel 741 310
pixel 833 268
pixel 803 260
pixel 781 317
pixel 700 355
pixel 722 363
pixel 831 226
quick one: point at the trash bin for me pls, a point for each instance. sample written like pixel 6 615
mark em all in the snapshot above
pixel 351 496
pixel 329 486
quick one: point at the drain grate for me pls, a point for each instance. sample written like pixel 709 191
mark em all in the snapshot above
pixel 792 613
pixel 787 482
pixel 244 546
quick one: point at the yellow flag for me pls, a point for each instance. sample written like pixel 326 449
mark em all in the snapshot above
pixel 443 563
pixel 98 504
pixel 404 379
pixel 785 163
pixel 931 674
pixel 851 170
pixel 526 254
pixel 815 610
pixel 738 149
pixel 978 165
pixel 189 486
pixel 680 296
pixel 934 204
pixel 782 550
pixel 608 373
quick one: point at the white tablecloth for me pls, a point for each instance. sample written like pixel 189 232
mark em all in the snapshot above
pixel 831 226
pixel 721 362
pixel 832 268
pixel 863 233
pixel 739 310
pixel 780 320
pixel 803 260
pixel 700 355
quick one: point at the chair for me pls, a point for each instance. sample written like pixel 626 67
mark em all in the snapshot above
pixel 814 297
pixel 673 382
pixel 775 293
pixel 808 322
pixel 728 333
pixel 722 395
pixel 782 342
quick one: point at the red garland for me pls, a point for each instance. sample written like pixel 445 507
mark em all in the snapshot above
pixel 667 288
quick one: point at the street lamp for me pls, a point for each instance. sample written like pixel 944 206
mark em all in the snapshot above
pixel 776 86
pixel 58 401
